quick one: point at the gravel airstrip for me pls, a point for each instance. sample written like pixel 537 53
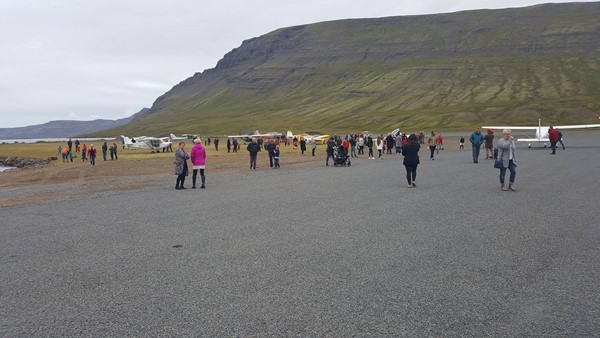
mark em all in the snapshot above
pixel 318 251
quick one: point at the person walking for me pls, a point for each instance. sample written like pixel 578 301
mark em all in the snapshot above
pixel 330 150
pixel 65 154
pixel 253 148
pixel 476 141
pixel 116 151
pixel 352 141
pixel 313 146
pixel 302 145
pixel 181 166
pixel 440 144
pixel 276 157
pixel 489 144
pixel 361 145
pixel 370 146
pixel 84 152
pixel 398 142
pixel 432 144
pixel 506 154
pixel 410 151
pixel 379 146
pixel 111 150
pixel 270 147
pixel 92 154
pixel 104 150
pixel 553 137
pixel 560 136
pixel 198 157
pixel 390 143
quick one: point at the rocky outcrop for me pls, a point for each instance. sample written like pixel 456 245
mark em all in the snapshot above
pixel 22 162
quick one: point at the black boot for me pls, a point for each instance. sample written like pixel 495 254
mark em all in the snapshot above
pixel 203 180
pixel 194 182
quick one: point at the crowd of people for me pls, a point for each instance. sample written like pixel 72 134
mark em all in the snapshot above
pixel 72 150
pixel 354 145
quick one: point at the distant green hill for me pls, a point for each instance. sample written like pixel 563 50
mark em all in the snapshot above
pixel 450 71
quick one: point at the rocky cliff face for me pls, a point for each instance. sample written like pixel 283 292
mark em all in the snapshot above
pixel 446 70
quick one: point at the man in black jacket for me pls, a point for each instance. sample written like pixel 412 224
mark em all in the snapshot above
pixel 253 149
pixel 270 147
pixel 330 149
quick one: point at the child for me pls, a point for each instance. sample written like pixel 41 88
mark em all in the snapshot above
pixel 462 143
pixel 276 157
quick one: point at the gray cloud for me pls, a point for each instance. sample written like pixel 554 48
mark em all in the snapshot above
pixel 88 59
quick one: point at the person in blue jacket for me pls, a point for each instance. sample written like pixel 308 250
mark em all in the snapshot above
pixel 476 142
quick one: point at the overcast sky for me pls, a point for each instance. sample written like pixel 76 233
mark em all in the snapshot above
pixel 82 60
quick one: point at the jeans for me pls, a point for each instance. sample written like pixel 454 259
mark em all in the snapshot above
pixel 513 172
pixel 353 151
pixel 476 152
pixel 432 149
pixel 329 155
pixel 276 162
pixel 553 147
pixel 252 161
pixel 411 172
pixel 104 155
pixel 370 152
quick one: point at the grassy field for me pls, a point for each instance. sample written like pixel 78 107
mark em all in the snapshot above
pixel 43 150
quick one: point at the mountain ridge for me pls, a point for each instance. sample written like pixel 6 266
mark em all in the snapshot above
pixel 64 128
pixel 451 70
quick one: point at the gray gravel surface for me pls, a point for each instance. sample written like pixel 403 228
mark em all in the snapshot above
pixel 318 252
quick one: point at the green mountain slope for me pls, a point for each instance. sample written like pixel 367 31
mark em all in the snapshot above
pixel 449 71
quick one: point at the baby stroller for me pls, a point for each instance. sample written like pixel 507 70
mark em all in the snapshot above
pixel 341 158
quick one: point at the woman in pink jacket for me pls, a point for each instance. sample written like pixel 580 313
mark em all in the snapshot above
pixel 198 156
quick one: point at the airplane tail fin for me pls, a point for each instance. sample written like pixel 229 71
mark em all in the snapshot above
pixel 289 134
pixel 172 136
pixel 126 140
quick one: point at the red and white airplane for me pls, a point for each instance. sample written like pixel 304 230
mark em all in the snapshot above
pixel 541 132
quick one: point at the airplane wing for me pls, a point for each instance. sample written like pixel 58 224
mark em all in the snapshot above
pixel 511 127
pixel 580 126
pixel 533 140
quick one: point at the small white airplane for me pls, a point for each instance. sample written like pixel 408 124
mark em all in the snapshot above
pixel 183 137
pixel 541 132
pixel 248 137
pixel 154 144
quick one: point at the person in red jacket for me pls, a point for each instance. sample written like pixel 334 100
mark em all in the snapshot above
pixel 553 136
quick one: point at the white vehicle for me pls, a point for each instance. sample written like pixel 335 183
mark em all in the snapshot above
pixel 183 137
pixel 256 134
pixel 154 144
pixel 541 132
